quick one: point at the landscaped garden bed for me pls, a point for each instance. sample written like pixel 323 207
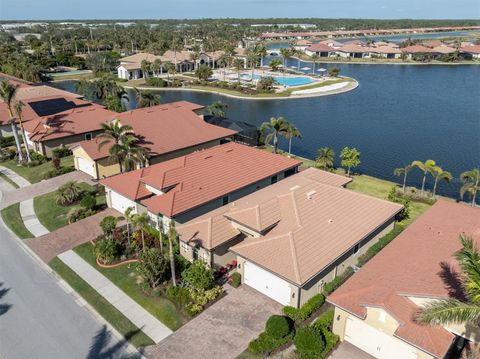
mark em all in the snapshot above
pixel 137 258
pixel 69 203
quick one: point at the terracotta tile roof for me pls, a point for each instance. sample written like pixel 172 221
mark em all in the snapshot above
pixel 165 128
pixel 310 223
pixel 200 177
pixel 320 48
pixel 471 49
pixel 444 49
pixel 42 91
pixel 433 43
pixel 14 80
pixel 411 266
pixel 68 123
pixel 416 49
pixel 331 43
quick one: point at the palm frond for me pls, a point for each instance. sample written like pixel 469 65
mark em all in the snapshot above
pixel 448 311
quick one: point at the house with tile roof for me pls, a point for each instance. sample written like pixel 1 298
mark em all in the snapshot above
pixel 288 239
pixel 375 308
pixel 166 131
pixel 188 186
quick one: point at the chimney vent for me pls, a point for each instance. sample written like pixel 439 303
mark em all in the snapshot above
pixel 311 194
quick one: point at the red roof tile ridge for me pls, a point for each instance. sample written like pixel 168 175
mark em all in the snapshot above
pixel 257 212
pixel 294 256
pixel 295 209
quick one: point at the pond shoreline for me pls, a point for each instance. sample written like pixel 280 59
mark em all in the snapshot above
pixel 352 85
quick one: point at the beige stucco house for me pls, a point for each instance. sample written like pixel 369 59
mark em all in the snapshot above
pixel 288 239
pixel 375 309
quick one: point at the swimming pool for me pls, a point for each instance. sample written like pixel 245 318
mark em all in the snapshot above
pixel 286 81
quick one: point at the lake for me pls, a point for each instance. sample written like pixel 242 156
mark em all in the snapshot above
pixel 399 113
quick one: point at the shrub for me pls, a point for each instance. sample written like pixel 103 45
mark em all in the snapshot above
pixel 54 173
pixel 405 201
pixel 236 280
pixel 278 326
pixel 56 163
pixel 382 242
pixel 7 141
pixel 108 225
pixel 88 202
pixel 309 341
pixel 67 193
pixel 306 310
pixel 193 309
pixel 105 250
pixel 153 267
pixel 198 276
pixel 77 214
pixel 61 152
pixel 325 320
pixel 337 281
pixel 333 71
pixel 179 295
pixel 266 344
pixel 156 82
pixel 35 156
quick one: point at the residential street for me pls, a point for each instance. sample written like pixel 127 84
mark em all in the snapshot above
pixel 38 319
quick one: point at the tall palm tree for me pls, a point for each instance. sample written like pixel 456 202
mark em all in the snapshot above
pixel 140 221
pixel 403 171
pixel 239 64
pixel 275 127
pixel 224 61
pixel 7 93
pixel 128 153
pixel 285 53
pixel 145 66
pixel 114 133
pixel 172 237
pixel 291 131
pixel 471 184
pixel 314 58
pixel 453 310
pixel 157 67
pixel 146 98
pixel 18 110
pixel 170 68
pixel 195 56
pixel 262 52
pixel 425 167
pixel 325 158
pixel 440 175
pixel 128 215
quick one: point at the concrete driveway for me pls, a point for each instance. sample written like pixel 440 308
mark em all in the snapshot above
pixel 348 351
pixel 222 331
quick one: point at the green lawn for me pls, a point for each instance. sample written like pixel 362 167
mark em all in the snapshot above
pixel 11 217
pixel 249 355
pixel 6 178
pixel 102 306
pixel 54 216
pixel 37 173
pixel 125 278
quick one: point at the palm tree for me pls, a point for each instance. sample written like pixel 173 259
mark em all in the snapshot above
pixel 157 67
pixel 426 167
pixel 7 93
pixel 172 237
pixel 217 109
pixel 262 52
pixel 471 184
pixel 195 56
pixel 285 53
pixel 18 109
pixel 140 221
pixel 145 66
pixel 440 175
pixel 403 171
pixel 325 158
pixel 128 217
pixel 314 58
pixel 274 64
pixel 291 131
pixel 128 153
pixel 239 65
pixel 114 134
pixel 224 61
pixel 252 59
pixel 275 127
pixel 453 310
pixel 146 98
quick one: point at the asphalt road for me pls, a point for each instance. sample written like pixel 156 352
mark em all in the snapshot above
pixel 38 319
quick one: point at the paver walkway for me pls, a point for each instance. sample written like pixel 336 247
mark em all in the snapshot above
pixel 222 331
pixel 151 326
pixel 28 190
pixel 52 244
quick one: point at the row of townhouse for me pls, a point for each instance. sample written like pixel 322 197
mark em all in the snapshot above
pixel 359 49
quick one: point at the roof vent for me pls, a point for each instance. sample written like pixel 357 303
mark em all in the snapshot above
pixel 294 187
pixel 206 158
pixel 330 220
pixel 311 194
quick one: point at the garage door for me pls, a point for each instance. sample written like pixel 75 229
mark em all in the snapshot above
pixel 375 342
pixel 86 166
pixel 267 283
pixel 120 203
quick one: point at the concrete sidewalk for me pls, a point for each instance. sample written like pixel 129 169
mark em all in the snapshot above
pixel 30 219
pixel 19 180
pixel 151 326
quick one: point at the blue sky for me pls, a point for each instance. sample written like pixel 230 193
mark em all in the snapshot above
pixel 161 9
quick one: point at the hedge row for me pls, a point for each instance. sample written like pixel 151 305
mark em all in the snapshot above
pixel 337 281
pixel 382 242
pixel 305 311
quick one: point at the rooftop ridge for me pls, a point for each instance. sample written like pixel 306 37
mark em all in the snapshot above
pixel 294 256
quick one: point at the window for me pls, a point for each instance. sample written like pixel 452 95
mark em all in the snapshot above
pixel 225 200
pixel 88 136
pixel 274 179
pixel 289 172
pixel 185 246
pixel 356 248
